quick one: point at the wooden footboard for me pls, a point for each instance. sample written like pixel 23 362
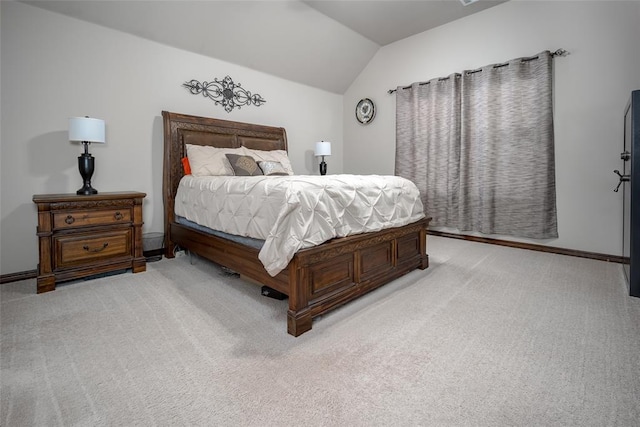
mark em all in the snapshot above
pixel 330 275
pixel 324 277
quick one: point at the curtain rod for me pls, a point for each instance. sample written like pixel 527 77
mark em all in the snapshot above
pixel 557 52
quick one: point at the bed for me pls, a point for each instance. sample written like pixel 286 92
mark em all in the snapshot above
pixel 316 279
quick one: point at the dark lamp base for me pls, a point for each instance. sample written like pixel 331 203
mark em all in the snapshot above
pixel 86 166
pixel 87 190
pixel 323 167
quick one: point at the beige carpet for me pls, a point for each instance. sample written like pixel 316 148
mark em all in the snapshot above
pixel 487 336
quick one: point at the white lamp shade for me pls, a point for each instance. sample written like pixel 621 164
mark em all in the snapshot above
pixel 323 148
pixel 86 129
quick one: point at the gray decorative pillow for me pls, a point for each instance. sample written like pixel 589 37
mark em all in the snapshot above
pixel 243 165
pixel 272 168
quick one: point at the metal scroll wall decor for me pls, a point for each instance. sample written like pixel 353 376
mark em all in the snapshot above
pixel 225 92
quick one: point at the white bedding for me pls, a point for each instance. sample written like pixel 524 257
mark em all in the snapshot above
pixel 295 212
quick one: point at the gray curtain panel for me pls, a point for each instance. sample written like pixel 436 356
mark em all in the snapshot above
pixel 480 148
pixel 428 144
pixel 507 170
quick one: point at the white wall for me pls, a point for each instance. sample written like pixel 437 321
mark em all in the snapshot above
pixel 55 67
pixel 592 86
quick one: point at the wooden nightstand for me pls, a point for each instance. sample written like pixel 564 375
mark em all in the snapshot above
pixel 81 236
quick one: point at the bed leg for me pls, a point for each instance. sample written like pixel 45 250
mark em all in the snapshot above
pixel 298 324
pixel 169 250
pixel 424 262
pixel 424 256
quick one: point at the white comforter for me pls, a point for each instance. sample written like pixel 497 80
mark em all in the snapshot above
pixel 294 212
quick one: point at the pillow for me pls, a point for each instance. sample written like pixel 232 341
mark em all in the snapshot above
pixel 206 160
pixel 272 156
pixel 186 167
pixel 272 168
pixel 243 165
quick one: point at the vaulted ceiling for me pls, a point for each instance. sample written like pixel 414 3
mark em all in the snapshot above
pixel 324 44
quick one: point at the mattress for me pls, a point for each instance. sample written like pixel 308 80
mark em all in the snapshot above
pixel 295 212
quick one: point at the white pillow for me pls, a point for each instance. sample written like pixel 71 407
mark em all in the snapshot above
pixel 270 156
pixel 206 160
pixel 272 168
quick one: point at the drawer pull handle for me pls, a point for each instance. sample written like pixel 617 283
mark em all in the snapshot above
pixel 69 219
pixel 86 248
pixel 118 216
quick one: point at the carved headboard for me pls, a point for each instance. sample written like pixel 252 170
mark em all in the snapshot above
pixel 182 129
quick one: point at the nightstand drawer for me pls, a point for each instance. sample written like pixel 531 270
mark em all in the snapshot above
pixel 73 249
pixel 62 220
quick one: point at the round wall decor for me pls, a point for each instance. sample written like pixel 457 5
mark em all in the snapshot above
pixel 365 111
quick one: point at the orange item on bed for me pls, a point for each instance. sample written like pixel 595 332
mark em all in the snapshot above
pixel 186 166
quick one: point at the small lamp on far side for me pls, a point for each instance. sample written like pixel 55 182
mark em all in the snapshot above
pixel 86 130
pixel 323 148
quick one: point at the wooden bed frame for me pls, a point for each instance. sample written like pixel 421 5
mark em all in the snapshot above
pixel 317 279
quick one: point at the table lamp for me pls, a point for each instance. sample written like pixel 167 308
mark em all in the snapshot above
pixel 323 148
pixel 86 130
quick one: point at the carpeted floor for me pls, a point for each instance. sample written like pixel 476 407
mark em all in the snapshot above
pixel 487 336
